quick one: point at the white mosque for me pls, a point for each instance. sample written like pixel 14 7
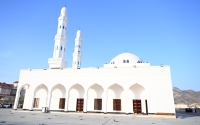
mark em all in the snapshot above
pixel 125 85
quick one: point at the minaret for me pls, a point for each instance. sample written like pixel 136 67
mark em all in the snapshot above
pixel 76 63
pixel 58 60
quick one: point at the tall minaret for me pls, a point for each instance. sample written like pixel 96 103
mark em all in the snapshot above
pixel 76 63
pixel 58 60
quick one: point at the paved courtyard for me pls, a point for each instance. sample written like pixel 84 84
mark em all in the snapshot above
pixel 10 117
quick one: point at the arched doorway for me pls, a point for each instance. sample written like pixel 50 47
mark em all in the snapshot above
pixel 95 98
pixel 40 97
pixel 115 94
pixel 22 96
pixel 137 97
pixel 76 98
pixel 58 97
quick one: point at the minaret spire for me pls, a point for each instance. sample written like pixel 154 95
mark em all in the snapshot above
pixel 58 60
pixel 76 63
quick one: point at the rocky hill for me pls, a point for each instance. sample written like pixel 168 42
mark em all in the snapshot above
pixel 188 97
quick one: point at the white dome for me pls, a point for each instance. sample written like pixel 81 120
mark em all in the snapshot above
pixel 125 58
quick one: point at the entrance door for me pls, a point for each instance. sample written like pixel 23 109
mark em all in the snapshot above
pixel 137 106
pixel 117 104
pixel 36 103
pixel 62 103
pixel 97 104
pixel 79 105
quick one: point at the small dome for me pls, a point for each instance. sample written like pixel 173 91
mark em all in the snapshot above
pixel 125 58
pixel 63 11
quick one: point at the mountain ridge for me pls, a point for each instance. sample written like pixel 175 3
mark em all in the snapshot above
pixel 188 97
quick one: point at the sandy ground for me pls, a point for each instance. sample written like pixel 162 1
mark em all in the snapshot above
pixel 20 117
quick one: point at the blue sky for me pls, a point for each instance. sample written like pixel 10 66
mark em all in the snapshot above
pixel 160 32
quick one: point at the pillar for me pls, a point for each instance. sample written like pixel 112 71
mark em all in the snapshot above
pixel 26 96
pixel 66 102
pixel 127 99
pixel 48 101
pixel 31 102
pixel 16 100
pixel 104 101
pixel 85 103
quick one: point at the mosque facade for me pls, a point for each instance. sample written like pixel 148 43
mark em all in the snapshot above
pixel 125 85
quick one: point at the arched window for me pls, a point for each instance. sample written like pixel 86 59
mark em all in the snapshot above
pixel 127 61
pixel 57 48
pixel 61 48
pixel 113 62
pixel 78 63
pixel 63 27
pixel 124 61
pixel 60 26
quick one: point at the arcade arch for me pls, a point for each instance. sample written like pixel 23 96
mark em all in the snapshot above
pixel 22 97
pixel 115 94
pixel 40 96
pixel 58 97
pixel 95 98
pixel 137 97
pixel 76 98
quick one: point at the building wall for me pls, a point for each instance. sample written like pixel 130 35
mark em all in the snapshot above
pixel 152 83
pixel 5 91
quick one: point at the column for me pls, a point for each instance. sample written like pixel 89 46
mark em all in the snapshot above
pixel 85 103
pixel 48 101
pixel 26 96
pixel 31 102
pixel 16 100
pixel 127 98
pixel 104 101
pixel 66 102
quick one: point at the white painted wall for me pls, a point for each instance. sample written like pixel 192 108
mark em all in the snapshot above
pixel 155 80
